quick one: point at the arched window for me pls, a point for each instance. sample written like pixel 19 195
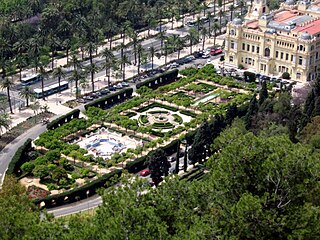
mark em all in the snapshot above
pixel 267 52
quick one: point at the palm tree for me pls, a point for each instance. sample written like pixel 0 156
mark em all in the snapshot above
pixel 75 62
pixel 84 84
pixel 7 84
pixel 34 50
pixel 161 36
pixel 151 54
pixel 21 61
pixel 124 61
pixel 90 47
pixel 134 36
pixel 109 61
pixel 221 14
pixel 27 93
pixel 43 76
pixel 204 33
pixel 215 28
pixel 140 51
pixel 35 107
pixel 5 50
pixel 179 45
pixel 209 16
pixel 76 77
pixel 92 69
pixel 192 37
pixel 4 122
pixel 59 73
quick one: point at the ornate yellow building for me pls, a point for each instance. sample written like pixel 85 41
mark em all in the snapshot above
pixel 270 43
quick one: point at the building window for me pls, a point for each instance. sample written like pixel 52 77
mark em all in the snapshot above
pixel 317 55
pixel 300 60
pixel 281 55
pixel 232 45
pixel 231 59
pixel 252 49
pixel 258 49
pixel 232 32
pixel 301 48
pixel 248 47
pixel 298 75
pixel 291 57
pixel 287 56
pixel 312 47
pixel 277 54
pixel 267 52
pixel 243 46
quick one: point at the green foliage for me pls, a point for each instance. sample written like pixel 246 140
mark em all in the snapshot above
pixel 19 158
pixel 27 167
pixel 249 76
pixel 188 113
pixel 143 119
pixel 156 104
pixel 285 75
pixel 177 118
pixel 63 119
pixel 162 79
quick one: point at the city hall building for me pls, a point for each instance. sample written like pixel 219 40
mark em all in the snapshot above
pixel 274 42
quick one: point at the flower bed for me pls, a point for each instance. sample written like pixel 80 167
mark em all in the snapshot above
pixel 35 192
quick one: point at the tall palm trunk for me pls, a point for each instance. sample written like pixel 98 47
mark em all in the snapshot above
pixel 9 99
pixel 92 80
pixel 42 87
pixel 76 88
pixel 59 83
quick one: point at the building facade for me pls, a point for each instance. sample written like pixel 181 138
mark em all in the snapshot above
pixel 271 43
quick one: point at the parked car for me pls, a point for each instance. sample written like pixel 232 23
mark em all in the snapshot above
pixel 197 54
pixel 205 55
pixel 125 84
pixel 119 86
pixel 204 19
pixel 192 23
pixel 190 58
pixel 144 173
pixel 112 88
pixel 174 65
pixel 104 91
pixel 215 52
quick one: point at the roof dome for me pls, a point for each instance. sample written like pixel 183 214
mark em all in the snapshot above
pixel 237 21
pixel 290 2
pixel 305 36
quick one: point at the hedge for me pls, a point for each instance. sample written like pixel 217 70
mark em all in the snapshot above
pixel 188 113
pixel 156 104
pixel 63 119
pixel 19 158
pixel 160 80
pixel 77 194
pixel 163 125
pixel 109 100
pixel 141 163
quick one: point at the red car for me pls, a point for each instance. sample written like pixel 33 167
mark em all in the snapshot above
pixel 216 52
pixel 144 173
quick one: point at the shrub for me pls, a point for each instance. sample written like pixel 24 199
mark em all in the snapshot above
pixel 143 119
pixel 19 158
pixel 63 119
pixel 285 75
pixel 156 104
pixel 249 76
pixel 80 192
pixel 177 118
pixel 188 113
pixel 27 167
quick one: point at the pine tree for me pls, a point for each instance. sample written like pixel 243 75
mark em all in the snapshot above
pixel 263 94
pixel 252 110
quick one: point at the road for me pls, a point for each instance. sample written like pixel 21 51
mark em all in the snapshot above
pixel 72 208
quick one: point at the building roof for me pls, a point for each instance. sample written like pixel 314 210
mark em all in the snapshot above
pixel 311 28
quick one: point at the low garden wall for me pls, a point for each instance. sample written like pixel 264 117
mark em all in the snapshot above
pixel 63 119
pixel 109 100
pixel 160 80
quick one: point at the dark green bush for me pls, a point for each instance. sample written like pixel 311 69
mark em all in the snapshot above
pixel 63 119
pixel 19 158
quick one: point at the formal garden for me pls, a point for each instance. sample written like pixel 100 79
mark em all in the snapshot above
pixel 77 154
